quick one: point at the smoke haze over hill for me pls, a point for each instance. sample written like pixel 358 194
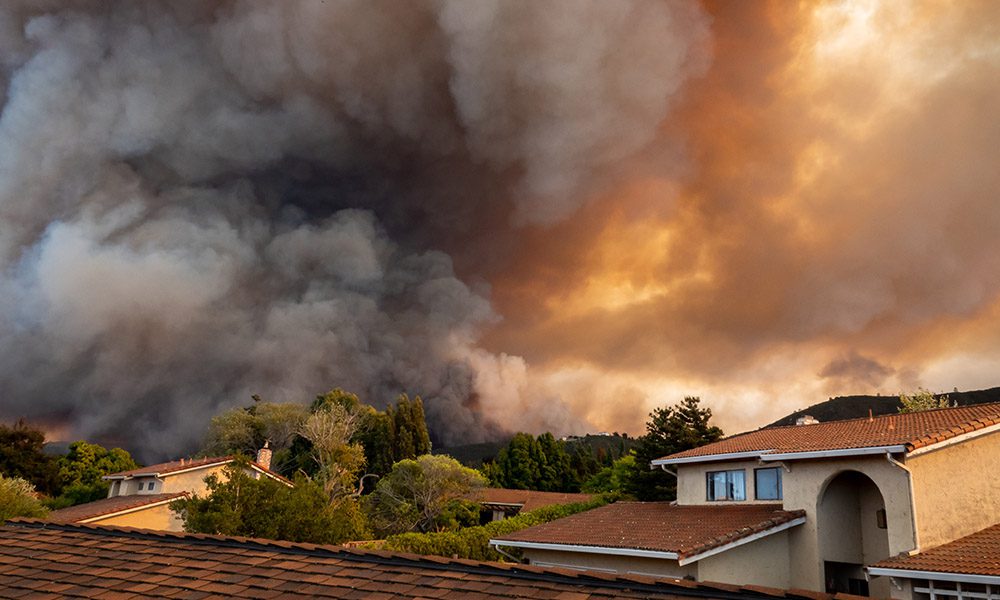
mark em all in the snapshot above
pixel 541 216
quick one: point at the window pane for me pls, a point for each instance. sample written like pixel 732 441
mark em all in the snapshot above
pixel 768 484
pixel 738 486
pixel 726 485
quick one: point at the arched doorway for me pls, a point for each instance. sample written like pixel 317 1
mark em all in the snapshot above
pixel 852 531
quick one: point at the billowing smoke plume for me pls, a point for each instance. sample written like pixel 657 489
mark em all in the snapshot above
pixel 836 234
pixel 204 200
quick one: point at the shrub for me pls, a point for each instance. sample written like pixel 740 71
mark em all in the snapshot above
pixel 474 542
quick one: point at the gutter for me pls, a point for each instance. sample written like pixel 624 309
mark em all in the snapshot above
pixel 932 575
pixel 585 549
pixel 771 455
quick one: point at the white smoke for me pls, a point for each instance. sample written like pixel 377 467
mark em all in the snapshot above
pixel 191 194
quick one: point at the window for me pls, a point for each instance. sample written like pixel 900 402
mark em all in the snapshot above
pixel 726 485
pixel 767 483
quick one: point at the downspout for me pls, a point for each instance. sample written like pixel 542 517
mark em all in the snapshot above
pixel 502 553
pixel 913 502
pixel 666 470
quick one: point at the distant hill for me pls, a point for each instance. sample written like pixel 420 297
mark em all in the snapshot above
pixel 473 455
pixel 602 445
pixel 853 407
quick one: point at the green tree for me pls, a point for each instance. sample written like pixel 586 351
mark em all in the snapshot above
pixel 18 499
pixel 244 430
pixel 409 431
pixel 614 478
pixel 331 430
pixel 238 504
pixel 428 493
pixel 669 430
pixel 923 400
pixel 21 456
pixel 81 470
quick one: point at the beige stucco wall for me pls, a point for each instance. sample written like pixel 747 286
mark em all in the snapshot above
pixel 957 492
pixel 761 562
pixel 155 517
pixel 617 564
pixel 192 481
pixel 804 488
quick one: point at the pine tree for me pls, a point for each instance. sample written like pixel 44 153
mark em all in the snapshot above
pixel 669 430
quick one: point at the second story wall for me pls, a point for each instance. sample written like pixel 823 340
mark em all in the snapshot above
pixel 957 489
pixel 692 481
pixel 191 481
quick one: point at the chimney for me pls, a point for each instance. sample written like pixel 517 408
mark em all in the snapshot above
pixel 806 420
pixel 264 456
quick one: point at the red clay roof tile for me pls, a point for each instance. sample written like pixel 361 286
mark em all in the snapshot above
pixel 185 464
pixel 976 554
pixel 913 430
pixel 528 499
pixel 658 526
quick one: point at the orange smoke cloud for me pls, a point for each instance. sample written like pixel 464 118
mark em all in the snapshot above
pixel 831 227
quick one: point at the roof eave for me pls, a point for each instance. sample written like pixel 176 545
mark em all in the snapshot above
pixel 586 549
pixel 742 541
pixel 771 455
pixel 935 575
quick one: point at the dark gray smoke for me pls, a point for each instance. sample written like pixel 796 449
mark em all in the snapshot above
pixel 205 200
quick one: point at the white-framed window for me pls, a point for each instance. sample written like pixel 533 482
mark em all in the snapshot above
pixel 767 483
pixel 726 485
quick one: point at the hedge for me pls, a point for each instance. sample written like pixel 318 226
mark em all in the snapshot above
pixel 474 542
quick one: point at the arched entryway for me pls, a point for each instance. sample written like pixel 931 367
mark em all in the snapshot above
pixel 852 531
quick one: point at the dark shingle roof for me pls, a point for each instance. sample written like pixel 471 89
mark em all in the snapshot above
pixel 659 526
pixel 976 554
pixel 107 506
pixel 58 561
pixel 913 430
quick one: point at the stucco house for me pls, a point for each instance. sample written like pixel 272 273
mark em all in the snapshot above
pixel 141 497
pixel 805 506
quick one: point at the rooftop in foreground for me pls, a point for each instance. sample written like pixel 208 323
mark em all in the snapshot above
pixel 86 561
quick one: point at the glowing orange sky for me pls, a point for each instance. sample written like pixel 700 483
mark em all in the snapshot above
pixel 833 229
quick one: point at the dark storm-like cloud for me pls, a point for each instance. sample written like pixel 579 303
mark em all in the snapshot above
pixel 206 200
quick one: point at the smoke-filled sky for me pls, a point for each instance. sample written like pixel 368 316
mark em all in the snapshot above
pixel 538 216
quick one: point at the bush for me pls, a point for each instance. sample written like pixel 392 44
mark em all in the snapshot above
pixel 474 542
pixel 18 499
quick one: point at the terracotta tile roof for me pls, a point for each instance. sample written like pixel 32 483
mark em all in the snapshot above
pixel 38 558
pixel 976 554
pixel 659 526
pixel 185 464
pixel 108 506
pixel 173 466
pixel 529 499
pixel 913 430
